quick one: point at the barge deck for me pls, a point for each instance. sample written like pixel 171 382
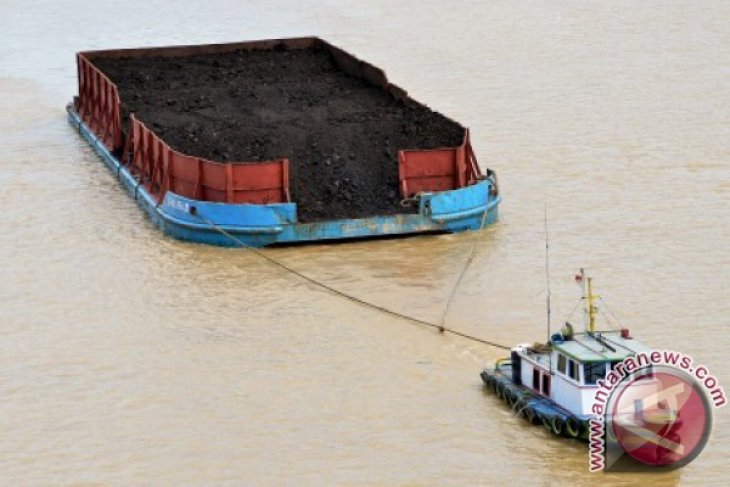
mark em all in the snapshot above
pixel 261 225
pixel 436 186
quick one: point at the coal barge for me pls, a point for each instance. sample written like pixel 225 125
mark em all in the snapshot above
pixel 276 141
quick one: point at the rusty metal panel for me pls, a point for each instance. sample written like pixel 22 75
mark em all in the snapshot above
pixel 257 176
pixel 214 175
pixel 260 197
pixel 474 172
pixel 161 169
pixel 430 170
pixel 99 104
pixel 214 181
pixel 438 169
pixel 261 183
pixel 185 170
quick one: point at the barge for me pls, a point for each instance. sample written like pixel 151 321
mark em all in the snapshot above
pixel 223 144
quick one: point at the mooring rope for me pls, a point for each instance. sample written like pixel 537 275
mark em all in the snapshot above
pixel 345 295
pixel 463 271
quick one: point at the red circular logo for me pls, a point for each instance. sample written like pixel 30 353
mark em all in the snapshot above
pixel 661 418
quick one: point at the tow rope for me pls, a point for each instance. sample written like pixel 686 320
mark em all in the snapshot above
pixel 439 326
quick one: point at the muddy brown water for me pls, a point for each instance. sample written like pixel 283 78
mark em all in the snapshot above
pixel 127 358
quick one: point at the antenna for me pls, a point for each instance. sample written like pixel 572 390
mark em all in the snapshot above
pixel 547 271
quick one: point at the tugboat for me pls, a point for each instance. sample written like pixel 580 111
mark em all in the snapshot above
pixel 554 384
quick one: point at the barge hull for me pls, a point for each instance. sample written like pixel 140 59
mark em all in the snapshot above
pixel 258 225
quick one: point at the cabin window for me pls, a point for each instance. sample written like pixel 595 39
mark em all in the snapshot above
pixel 546 384
pixel 594 372
pixel 562 363
pixel 536 379
pixel 573 370
pixel 645 371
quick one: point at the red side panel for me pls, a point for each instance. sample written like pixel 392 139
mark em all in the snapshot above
pixel 161 169
pixel 98 104
pixel 214 181
pixel 433 170
pixel 186 180
pixel 261 183
pixel 437 170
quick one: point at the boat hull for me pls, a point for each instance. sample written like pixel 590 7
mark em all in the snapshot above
pixel 235 225
pixel 535 408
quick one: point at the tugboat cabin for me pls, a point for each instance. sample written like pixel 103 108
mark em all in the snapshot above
pixel 568 371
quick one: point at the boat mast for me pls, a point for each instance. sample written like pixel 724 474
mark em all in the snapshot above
pixel 590 301
pixel 591 306
pixel 547 273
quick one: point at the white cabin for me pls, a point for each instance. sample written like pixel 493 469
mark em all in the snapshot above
pixel 568 371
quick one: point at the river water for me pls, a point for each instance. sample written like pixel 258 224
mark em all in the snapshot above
pixel 129 358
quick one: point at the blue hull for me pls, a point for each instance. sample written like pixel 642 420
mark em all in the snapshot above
pixel 262 225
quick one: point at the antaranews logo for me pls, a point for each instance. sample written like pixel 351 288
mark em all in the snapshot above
pixel 652 411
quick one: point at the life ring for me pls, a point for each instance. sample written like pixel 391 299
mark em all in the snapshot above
pixel 529 414
pixel 505 393
pixel 518 405
pixel 573 426
pixel 546 422
pixel 557 425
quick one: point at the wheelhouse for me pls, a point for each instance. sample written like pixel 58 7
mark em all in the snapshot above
pixel 569 370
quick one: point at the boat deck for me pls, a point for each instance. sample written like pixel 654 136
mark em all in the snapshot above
pixel 251 225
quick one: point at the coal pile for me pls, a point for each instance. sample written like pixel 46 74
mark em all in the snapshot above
pixel 340 133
